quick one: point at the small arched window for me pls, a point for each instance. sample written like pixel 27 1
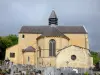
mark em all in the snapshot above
pixel 39 51
pixel 23 36
pixel 28 58
pixel 52 47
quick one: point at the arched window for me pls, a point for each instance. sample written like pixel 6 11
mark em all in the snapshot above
pixel 28 58
pixel 23 36
pixel 52 47
pixel 39 51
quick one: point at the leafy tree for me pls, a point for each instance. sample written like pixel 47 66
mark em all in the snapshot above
pixel 13 38
pixel 95 56
pixel 5 42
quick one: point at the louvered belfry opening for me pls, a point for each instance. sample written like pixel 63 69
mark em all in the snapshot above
pixel 53 18
pixel 52 47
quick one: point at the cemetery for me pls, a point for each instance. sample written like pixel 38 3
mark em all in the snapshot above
pixel 8 68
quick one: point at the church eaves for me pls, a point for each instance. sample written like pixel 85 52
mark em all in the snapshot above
pixel 63 29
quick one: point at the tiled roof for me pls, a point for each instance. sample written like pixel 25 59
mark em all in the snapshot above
pixel 47 29
pixel 29 49
pixel 53 31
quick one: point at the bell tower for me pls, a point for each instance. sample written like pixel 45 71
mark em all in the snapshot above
pixel 53 18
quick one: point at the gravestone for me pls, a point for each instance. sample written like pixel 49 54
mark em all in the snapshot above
pixel 57 72
pixel 24 72
pixel 49 71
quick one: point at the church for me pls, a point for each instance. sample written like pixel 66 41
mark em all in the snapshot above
pixel 52 45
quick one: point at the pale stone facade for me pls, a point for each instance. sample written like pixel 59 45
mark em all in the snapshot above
pixel 34 46
pixel 83 57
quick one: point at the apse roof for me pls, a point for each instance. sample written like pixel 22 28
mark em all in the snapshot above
pixel 29 49
pixel 53 32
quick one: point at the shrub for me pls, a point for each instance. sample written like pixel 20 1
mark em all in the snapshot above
pixel 86 73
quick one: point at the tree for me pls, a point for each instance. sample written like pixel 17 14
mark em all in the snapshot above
pixel 5 42
pixel 13 38
pixel 95 56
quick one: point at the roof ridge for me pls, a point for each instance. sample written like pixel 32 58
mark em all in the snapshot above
pixel 72 45
pixel 62 29
pixel 61 33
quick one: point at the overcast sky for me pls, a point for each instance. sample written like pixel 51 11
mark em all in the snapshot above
pixel 16 13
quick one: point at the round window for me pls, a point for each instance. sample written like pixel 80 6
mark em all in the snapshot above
pixel 73 57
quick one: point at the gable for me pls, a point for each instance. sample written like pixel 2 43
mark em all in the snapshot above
pixel 74 47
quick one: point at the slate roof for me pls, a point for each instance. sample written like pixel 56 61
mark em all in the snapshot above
pixel 29 49
pixel 47 29
pixel 53 31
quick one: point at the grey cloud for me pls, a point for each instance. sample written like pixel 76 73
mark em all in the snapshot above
pixel 15 13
